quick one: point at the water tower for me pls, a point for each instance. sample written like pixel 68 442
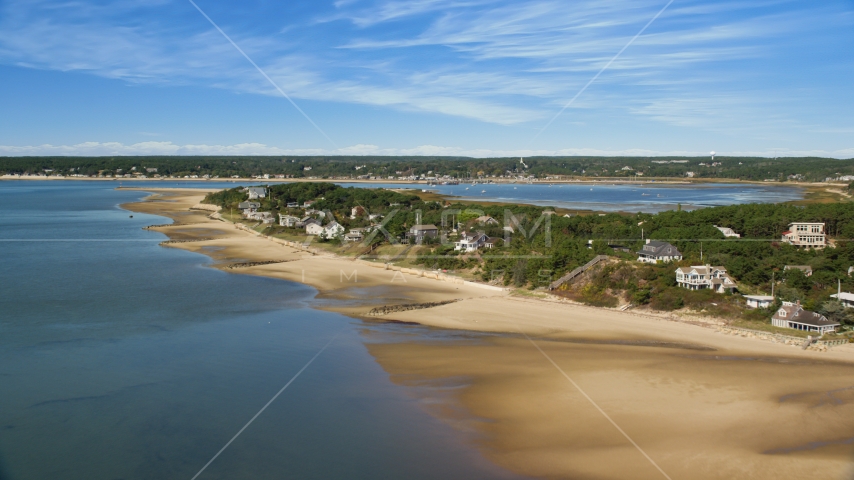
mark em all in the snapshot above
pixel 713 156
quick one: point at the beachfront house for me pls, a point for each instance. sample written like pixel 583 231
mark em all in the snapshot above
pixel 804 268
pixel 470 242
pixel 313 227
pixel 354 235
pixel 792 315
pixel 263 217
pixel 759 301
pixel 846 298
pixel 309 221
pixel 728 232
pixel 288 220
pixel 333 230
pixel 655 252
pixel 420 232
pixel 705 276
pixel 805 235
pixel 256 192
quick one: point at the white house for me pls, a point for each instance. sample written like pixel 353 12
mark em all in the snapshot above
pixel 257 192
pixel 759 301
pixel 792 315
pixel 354 235
pixel 728 232
pixel 655 252
pixel 313 227
pixel 356 211
pixel 846 298
pixel 470 242
pixel 705 276
pixel 333 230
pixel 288 220
pixel 805 234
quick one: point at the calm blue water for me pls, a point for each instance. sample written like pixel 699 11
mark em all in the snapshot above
pixel 649 198
pixel 123 359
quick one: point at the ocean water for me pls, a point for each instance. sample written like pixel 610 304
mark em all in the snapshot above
pixel 120 359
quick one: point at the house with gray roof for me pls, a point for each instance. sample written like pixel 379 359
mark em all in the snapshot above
pixel 419 232
pixel 248 206
pixel 256 192
pixel 792 315
pixel 655 252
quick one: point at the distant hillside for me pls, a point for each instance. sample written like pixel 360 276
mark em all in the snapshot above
pixel 409 168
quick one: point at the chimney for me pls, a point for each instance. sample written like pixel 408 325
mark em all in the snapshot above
pixel 647 241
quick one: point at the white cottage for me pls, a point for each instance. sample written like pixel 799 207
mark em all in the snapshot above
pixel 759 301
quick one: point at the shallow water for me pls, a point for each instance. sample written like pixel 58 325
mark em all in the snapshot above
pixel 123 359
pixel 647 198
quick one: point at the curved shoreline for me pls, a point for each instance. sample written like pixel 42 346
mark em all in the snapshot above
pixel 703 404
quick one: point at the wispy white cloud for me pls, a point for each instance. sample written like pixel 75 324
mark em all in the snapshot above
pixel 500 62
pixel 169 148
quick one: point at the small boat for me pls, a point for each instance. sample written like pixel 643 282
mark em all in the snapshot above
pixel 483 191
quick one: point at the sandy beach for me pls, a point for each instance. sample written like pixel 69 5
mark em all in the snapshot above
pixel 556 390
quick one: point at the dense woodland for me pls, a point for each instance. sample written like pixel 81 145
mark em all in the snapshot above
pixel 547 246
pixel 742 168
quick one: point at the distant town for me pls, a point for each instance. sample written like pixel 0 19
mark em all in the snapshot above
pixel 434 169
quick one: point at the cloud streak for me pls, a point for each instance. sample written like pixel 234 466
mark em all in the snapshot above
pixel 497 62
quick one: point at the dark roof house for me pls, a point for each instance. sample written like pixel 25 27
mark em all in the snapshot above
pixel 655 251
pixel 793 315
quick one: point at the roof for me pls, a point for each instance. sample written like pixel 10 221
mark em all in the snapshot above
pixel 424 227
pixel 701 269
pixel 797 314
pixel 760 298
pixel 258 189
pixel 726 230
pixel 843 296
pixel 659 249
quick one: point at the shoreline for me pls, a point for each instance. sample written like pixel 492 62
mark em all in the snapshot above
pixel 702 403
pixel 333 276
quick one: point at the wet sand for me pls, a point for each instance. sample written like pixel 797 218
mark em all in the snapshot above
pixel 697 403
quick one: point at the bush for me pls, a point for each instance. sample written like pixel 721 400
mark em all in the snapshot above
pixel 668 300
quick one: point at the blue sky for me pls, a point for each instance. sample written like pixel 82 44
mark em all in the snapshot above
pixel 452 77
